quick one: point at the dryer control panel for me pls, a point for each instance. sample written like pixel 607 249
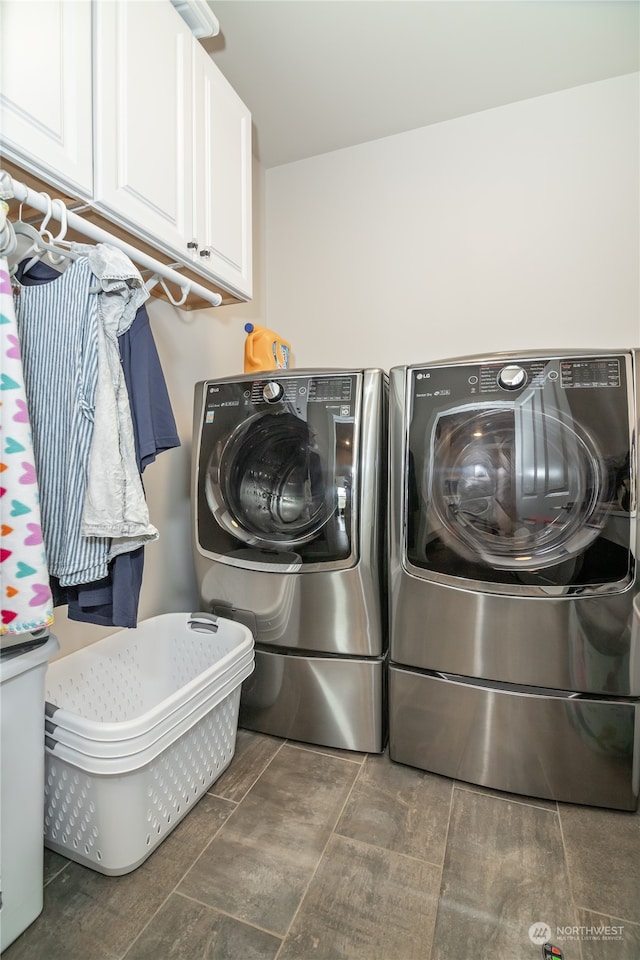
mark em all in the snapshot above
pixel 510 377
pixel 590 373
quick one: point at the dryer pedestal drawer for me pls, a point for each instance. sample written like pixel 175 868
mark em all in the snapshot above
pixel 519 739
pixel 331 701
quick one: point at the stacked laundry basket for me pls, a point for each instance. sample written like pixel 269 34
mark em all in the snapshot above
pixel 137 728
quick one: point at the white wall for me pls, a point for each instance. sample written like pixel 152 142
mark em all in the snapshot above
pixel 509 229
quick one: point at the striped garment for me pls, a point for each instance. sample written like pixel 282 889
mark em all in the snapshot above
pixel 57 326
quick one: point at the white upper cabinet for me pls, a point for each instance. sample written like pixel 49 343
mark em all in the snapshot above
pixel 143 126
pixel 117 102
pixel 173 140
pixel 46 89
pixel 222 176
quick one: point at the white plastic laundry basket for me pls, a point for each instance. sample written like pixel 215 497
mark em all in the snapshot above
pixel 139 725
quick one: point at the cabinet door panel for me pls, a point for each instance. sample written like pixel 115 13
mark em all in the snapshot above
pixel 222 195
pixel 143 118
pixel 46 89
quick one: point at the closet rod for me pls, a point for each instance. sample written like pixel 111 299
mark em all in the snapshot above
pixel 42 203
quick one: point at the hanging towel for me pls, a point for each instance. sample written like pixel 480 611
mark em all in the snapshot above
pixel 26 598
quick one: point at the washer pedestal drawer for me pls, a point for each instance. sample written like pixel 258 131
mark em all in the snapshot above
pixel 331 701
pixel 526 740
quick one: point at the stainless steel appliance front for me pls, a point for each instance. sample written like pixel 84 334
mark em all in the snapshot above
pixel 513 535
pixel 289 475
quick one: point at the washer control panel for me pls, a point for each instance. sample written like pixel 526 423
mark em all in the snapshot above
pixel 512 377
pixel 272 391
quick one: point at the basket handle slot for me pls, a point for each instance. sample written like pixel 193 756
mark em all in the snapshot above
pixel 203 622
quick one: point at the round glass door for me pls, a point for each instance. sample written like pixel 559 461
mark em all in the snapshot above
pixel 271 484
pixel 514 489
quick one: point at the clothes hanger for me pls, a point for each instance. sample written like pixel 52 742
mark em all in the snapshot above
pixel 56 259
pixel 42 242
pixel 8 242
pixel 39 246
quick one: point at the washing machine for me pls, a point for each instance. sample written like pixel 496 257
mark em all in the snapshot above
pixel 514 663
pixel 289 499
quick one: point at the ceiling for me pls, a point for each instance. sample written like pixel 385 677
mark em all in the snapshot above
pixel 319 75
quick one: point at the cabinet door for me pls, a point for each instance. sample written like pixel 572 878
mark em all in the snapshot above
pixel 143 119
pixel 222 212
pixel 46 90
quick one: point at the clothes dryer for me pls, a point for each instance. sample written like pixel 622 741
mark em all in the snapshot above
pixel 513 538
pixel 289 499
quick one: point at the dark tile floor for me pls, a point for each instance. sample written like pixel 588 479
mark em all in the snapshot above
pixel 298 853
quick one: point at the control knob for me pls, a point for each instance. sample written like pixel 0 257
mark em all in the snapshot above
pixel 272 391
pixel 512 377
